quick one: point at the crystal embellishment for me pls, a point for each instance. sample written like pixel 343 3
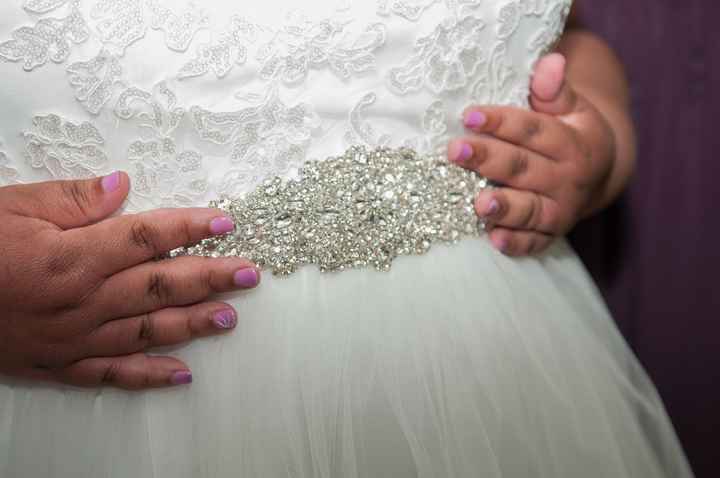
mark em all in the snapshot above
pixel 361 209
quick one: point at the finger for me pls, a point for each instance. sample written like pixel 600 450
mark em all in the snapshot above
pixel 126 241
pixel 516 209
pixel 159 329
pixel 504 163
pixel 537 132
pixel 550 92
pixel 71 204
pixel 171 283
pixel 519 243
pixel 132 372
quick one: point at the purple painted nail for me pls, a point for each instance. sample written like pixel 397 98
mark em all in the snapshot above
pixel 111 182
pixel 246 278
pixel 463 153
pixel 493 208
pixel 221 225
pixel 181 378
pixel 475 119
pixel 225 319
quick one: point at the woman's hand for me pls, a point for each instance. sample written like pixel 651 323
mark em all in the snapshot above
pixel 550 163
pixel 81 296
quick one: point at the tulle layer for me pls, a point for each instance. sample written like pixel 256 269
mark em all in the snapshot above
pixel 460 363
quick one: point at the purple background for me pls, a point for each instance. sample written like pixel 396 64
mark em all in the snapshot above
pixel 656 254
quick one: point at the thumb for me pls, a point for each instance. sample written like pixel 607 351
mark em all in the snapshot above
pixel 550 92
pixel 72 204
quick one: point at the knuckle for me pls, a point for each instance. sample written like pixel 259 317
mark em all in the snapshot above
pixel 146 329
pixel 530 244
pixel 111 374
pixel 159 288
pixel 536 212
pixel 519 162
pixel 77 195
pixel 208 277
pixel 531 128
pixel 144 236
pixel 529 212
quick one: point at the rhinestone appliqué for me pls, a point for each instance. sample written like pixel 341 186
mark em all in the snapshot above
pixel 361 209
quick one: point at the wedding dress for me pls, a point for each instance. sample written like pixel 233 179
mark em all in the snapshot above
pixel 392 340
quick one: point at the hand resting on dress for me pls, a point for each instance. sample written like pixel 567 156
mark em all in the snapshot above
pixel 554 165
pixel 82 296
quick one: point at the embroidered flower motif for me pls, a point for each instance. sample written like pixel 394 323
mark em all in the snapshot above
pixel 509 19
pixel 43 6
pixel 361 129
pixel 434 137
pixel 229 50
pixel 554 21
pixel 413 9
pixel 120 23
pixel 123 22
pixel 162 175
pixel 66 150
pixel 302 44
pixel 179 29
pixel 49 39
pixel 409 9
pixel 443 61
pixel 267 136
pixel 94 80
pixel 8 174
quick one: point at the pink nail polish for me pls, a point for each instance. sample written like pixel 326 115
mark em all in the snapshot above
pixel 475 119
pixel 221 225
pixel 462 153
pixel 181 378
pixel 493 208
pixel 111 182
pixel 246 278
pixel 225 319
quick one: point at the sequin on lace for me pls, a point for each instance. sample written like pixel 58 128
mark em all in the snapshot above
pixel 362 209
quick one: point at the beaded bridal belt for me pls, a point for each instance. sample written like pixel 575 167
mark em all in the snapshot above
pixel 361 209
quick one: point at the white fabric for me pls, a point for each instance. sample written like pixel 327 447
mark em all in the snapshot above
pixel 460 363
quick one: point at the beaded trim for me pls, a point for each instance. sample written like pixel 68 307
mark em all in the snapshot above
pixel 361 209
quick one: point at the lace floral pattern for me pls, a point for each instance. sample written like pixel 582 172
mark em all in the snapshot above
pixel 8 174
pixel 123 22
pixel 64 149
pixel 94 80
pixel 50 38
pixel 444 61
pixel 268 135
pixel 302 44
pixel 470 50
pixel 228 51
pixel 162 175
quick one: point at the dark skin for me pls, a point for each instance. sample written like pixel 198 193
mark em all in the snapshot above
pixel 83 298
pixel 568 158
pixel 83 301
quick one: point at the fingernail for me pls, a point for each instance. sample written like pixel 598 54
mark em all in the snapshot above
pixel 246 278
pixel 221 225
pixel 461 153
pixel 225 319
pixel 475 119
pixel 111 182
pixel 181 378
pixel 493 208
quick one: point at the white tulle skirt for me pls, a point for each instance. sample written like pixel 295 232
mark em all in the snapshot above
pixel 460 363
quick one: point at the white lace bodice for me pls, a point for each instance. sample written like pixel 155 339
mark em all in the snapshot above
pixel 200 100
